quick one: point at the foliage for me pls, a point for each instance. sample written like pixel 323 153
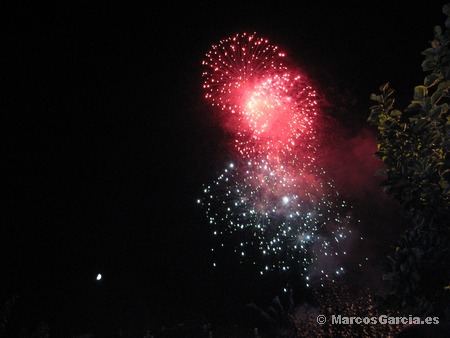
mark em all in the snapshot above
pixel 275 320
pixel 414 147
pixel 5 313
pixel 337 299
pixel 42 331
pixel 282 319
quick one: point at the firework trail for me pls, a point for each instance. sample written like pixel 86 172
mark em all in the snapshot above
pixel 273 200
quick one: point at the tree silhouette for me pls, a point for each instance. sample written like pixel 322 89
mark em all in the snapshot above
pixel 414 146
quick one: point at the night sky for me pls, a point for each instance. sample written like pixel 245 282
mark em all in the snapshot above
pixel 107 141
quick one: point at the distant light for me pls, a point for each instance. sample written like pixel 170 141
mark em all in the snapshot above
pixel 99 276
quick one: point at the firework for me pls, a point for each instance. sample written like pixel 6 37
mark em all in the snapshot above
pixel 274 202
pixel 236 62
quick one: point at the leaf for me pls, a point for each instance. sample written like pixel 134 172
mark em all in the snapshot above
pixel 443 183
pixel 375 97
pixel 444 85
pixel 440 110
pixel 380 172
pixel 436 96
pixel 446 9
pixel 447 22
pixel 431 80
pixel 429 51
pixel 384 87
pixel 437 30
pixel 420 92
pixel 428 64
pixel 395 113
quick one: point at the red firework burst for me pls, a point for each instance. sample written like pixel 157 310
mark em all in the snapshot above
pixel 268 107
pixel 237 61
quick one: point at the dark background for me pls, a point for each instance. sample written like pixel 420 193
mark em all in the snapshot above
pixel 106 143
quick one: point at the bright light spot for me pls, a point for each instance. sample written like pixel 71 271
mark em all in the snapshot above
pixel 99 276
